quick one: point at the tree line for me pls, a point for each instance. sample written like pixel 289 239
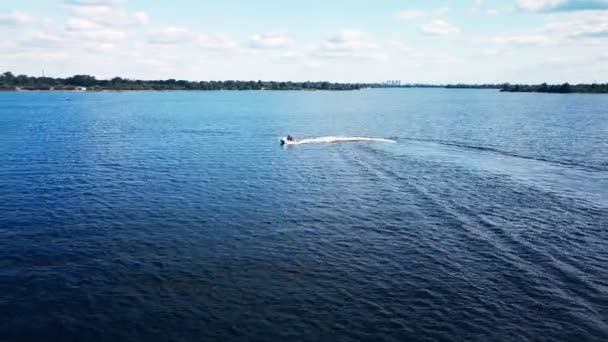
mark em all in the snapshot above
pixel 9 81
pixel 595 88
pixel 448 86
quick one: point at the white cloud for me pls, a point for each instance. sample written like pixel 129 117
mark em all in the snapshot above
pixel 100 47
pixel 277 39
pixel 141 17
pixel 522 39
pixel 102 35
pixel 93 2
pixel 86 30
pixel 155 62
pixel 584 24
pixel 439 27
pixel 349 43
pixel 602 57
pixel 72 39
pixel 347 36
pixel 441 11
pixel 91 12
pixel 98 25
pixel 79 24
pixel 538 5
pixel 169 35
pixel 400 47
pixel 349 39
pixel 561 5
pixel 107 13
pixel 566 28
pixel 311 64
pixel 173 35
pixel 106 38
pixel 490 52
pixel 34 56
pixel 15 18
pixel 410 14
pixel 445 59
pixel 480 7
pixel 94 26
pixel 42 40
pixel 298 58
pixel 290 55
pixel 6 45
pixel 215 41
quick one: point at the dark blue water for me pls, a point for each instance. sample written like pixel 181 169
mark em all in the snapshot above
pixel 176 216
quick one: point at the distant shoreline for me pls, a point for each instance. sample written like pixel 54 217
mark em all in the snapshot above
pixel 87 83
pixel 95 90
pixel 148 90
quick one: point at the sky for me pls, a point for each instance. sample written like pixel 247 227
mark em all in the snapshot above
pixel 432 41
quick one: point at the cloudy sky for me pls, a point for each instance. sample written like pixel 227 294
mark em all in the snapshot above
pixel 337 40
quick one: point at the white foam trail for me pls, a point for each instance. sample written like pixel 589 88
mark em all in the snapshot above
pixel 337 140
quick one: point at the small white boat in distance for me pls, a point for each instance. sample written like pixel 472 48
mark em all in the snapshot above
pixel 289 140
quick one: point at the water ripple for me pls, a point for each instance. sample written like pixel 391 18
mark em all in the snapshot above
pixel 176 216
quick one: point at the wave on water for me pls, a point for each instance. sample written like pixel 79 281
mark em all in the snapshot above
pixel 338 139
pixel 568 163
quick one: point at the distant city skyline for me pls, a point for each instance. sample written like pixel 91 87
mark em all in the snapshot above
pixel 437 41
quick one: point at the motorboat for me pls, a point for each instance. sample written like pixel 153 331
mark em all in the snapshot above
pixel 288 140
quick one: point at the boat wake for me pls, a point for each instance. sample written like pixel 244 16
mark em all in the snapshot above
pixel 336 139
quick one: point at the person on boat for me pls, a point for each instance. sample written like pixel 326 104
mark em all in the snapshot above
pixel 289 138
